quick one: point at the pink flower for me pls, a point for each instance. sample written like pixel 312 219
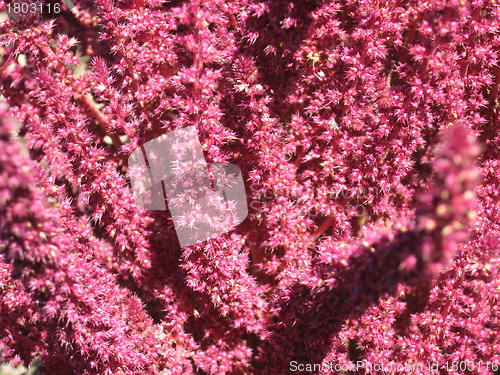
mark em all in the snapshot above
pixel 369 143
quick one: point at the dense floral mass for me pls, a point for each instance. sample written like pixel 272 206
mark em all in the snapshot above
pixel 368 138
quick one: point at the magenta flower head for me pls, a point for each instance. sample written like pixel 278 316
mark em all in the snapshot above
pixel 249 187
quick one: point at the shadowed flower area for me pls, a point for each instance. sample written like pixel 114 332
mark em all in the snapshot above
pixel 368 140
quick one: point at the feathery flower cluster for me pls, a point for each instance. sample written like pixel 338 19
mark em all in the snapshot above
pixel 368 137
